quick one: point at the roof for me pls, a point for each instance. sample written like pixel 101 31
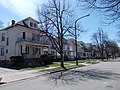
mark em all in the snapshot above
pixel 71 41
pixel 21 23
pixel 88 44
pixel 29 18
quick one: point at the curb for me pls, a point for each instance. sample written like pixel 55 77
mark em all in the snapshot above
pixel 33 77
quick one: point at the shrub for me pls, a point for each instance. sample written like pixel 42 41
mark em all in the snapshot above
pixel 47 59
pixel 17 60
pixel 66 58
pixel 58 59
pixel 0 78
pixel 100 58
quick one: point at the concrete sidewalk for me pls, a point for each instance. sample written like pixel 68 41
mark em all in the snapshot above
pixel 16 76
pixel 21 75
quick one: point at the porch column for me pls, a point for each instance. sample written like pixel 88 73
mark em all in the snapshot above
pixel 16 50
pixel 30 51
pixel 23 48
pixel 86 55
pixel 49 50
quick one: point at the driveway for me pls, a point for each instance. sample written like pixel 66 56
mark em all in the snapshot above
pixel 102 76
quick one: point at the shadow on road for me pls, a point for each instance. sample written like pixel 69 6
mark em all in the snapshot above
pixel 72 77
pixel 2 83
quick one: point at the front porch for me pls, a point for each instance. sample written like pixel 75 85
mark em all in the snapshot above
pixel 31 50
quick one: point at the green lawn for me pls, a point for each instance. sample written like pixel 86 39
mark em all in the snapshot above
pixel 68 64
pixel 35 68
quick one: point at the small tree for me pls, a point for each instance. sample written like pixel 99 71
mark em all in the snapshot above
pixel 112 48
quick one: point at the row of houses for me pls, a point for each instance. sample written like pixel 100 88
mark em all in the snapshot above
pixel 84 50
pixel 24 38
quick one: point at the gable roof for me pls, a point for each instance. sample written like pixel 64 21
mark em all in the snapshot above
pixel 20 23
pixel 29 18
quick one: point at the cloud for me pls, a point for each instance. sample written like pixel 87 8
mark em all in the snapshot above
pixel 23 8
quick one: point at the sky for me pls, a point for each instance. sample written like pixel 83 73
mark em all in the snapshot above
pixel 21 9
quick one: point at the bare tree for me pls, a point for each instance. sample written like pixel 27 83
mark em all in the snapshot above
pixel 99 38
pixel 107 48
pixel 112 48
pixel 110 8
pixel 56 20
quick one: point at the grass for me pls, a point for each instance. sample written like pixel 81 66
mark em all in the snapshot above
pixel 61 69
pixel 68 64
pixel 35 68
pixel 0 78
pixel 56 64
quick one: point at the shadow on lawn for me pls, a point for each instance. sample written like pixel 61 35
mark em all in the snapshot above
pixel 72 77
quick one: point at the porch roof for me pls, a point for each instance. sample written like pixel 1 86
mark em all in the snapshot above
pixel 33 43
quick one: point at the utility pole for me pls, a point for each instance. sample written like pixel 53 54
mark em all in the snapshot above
pixel 76 35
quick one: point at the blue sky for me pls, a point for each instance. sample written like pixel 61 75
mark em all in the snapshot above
pixel 20 9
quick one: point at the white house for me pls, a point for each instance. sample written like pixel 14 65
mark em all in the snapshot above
pixel 23 38
pixel 70 49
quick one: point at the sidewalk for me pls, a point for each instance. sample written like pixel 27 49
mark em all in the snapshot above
pixel 21 75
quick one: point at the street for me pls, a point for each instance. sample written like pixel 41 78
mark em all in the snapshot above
pixel 101 76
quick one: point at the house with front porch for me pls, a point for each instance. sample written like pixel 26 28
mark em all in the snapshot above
pixel 70 49
pixel 24 38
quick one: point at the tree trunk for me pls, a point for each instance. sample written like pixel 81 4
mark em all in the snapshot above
pixel 107 56
pixel 62 53
pixel 77 62
pixel 62 61
pixel 102 56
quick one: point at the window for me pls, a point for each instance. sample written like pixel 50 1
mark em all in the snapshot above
pixel 33 36
pixel 40 51
pixel 33 51
pixel 21 49
pixel 35 25
pixel 24 36
pixel 36 50
pixel 45 52
pixel 31 24
pixel 68 47
pixel 27 50
pixel 2 51
pixel 52 52
pixel 38 37
pixel 7 42
pixel 3 36
pixel 84 54
pixel 6 50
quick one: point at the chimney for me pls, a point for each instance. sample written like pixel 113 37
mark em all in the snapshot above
pixel 13 22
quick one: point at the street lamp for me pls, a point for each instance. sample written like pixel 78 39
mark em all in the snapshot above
pixel 76 34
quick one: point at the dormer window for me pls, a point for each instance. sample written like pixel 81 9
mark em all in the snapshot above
pixel 31 24
pixel 35 25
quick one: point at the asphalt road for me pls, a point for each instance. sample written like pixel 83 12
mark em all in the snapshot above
pixel 102 76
